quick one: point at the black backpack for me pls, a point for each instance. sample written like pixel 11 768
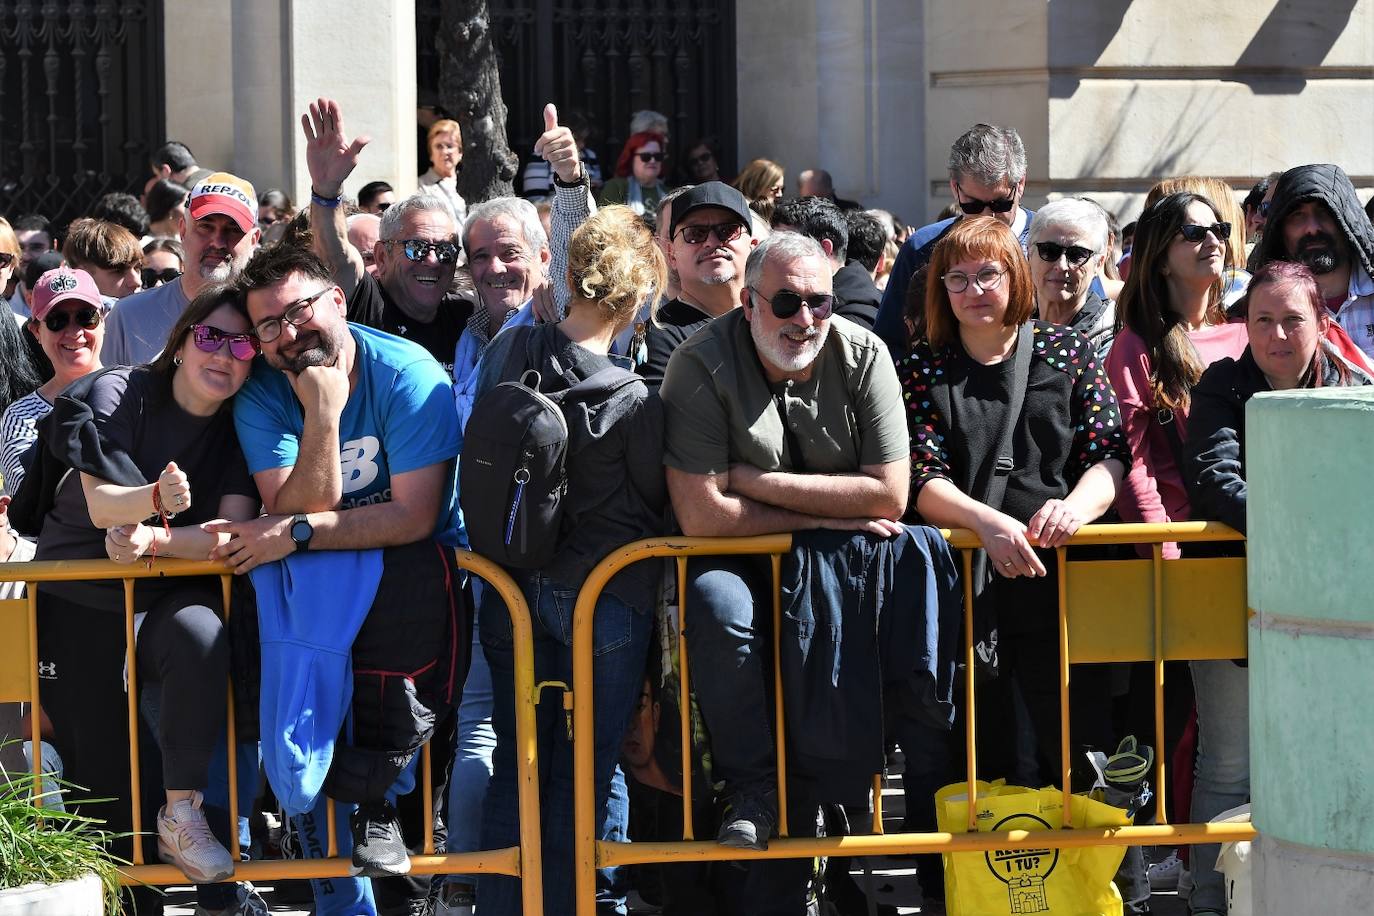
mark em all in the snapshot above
pixel 515 448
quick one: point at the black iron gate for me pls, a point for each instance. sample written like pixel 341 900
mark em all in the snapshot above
pixel 608 58
pixel 81 102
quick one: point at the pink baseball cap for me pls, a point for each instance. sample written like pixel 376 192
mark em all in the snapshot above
pixel 60 284
pixel 227 194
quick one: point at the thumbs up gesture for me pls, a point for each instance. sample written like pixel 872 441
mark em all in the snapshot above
pixel 174 489
pixel 559 149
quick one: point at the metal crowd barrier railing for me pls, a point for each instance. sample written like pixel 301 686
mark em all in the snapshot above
pixel 1191 608
pixel 19 682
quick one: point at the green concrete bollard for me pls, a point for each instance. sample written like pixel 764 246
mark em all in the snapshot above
pixel 1310 467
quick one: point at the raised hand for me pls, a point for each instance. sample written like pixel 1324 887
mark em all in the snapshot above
pixel 174 489
pixel 329 155
pixel 559 149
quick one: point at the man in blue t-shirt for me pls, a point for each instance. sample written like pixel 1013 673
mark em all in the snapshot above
pixel 351 436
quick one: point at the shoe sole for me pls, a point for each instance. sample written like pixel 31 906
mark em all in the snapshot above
pixel 166 854
pixel 741 843
pixel 378 871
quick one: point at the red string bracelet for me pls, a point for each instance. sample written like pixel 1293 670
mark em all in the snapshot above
pixel 163 515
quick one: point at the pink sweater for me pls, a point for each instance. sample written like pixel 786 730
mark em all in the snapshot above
pixel 1153 490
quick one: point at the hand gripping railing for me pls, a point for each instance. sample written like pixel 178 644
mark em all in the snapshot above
pixel 19 681
pixel 1160 611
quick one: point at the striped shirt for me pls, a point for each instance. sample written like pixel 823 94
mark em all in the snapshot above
pixel 19 431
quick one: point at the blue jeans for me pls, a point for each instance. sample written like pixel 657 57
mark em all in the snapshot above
pixel 620 645
pixel 474 744
pixel 1223 766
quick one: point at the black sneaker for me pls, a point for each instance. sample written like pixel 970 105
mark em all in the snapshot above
pixel 379 851
pixel 748 821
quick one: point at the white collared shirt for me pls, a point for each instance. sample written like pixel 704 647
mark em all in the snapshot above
pixel 1356 314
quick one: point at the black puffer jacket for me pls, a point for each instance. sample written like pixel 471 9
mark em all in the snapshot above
pixel 1329 184
pixel 1214 453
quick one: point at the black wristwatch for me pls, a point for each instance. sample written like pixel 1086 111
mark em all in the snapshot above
pixel 302 531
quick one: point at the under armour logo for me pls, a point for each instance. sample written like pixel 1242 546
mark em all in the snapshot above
pixel 47 670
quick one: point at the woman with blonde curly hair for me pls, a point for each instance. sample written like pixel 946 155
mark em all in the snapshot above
pixel 615 495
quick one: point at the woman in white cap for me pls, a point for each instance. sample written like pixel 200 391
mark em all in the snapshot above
pixel 67 319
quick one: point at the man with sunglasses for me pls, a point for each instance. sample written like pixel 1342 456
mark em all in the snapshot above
pixel 1316 218
pixel 778 417
pixel 709 236
pixel 418 250
pixel 218 234
pixel 987 175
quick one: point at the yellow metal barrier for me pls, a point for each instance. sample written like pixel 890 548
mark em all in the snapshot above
pixel 19 682
pixel 1182 609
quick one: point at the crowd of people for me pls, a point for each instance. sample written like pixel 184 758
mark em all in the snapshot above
pixel 294 392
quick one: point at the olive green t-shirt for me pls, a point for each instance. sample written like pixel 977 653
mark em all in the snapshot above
pixel 720 410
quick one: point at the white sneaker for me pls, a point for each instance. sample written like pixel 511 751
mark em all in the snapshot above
pixel 184 840
pixel 1164 875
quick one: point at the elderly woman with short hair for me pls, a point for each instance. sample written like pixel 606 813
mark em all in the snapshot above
pixel 1068 239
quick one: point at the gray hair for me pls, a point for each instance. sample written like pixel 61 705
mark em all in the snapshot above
pixel 517 210
pixel 1083 216
pixel 664 202
pixel 644 120
pixel 781 246
pixel 415 203
pixel 989 155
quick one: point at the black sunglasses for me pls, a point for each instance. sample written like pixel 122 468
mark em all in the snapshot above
pixel 419 249
pixel 6 259
pixel 973 206
pixel 1195 233
pixel 786 303
pixel 725 233
pixel 1076 255
pixel 650 157
pixel 88 318
pixel 152 277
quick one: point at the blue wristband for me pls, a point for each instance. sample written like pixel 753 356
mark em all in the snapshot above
pixel 326 202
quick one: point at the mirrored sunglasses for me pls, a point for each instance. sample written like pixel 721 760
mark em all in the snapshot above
pixel 208 338
pixel 419 249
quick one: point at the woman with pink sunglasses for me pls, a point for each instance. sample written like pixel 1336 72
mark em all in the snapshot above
pixel 156 457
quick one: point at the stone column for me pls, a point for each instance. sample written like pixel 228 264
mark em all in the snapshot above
pixel 240 76
pixel 1311 541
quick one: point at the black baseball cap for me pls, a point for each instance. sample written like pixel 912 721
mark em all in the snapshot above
pixel 711 194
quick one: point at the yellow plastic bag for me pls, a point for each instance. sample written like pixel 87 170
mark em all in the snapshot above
pixel 1040 881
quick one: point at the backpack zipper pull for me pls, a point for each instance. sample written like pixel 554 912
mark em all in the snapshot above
pixel 522 477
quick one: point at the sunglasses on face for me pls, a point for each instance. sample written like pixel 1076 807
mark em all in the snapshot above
pixel 650 157
pixel 985 279
pixel 88 318
pixel 786 303
pixel 296 314
pixel 1195 233
pixel 1075 255
pixel 973 206
pixel 6 259
pixel 153 277
pixel 419 249
pixel 725 233
pixel 242 345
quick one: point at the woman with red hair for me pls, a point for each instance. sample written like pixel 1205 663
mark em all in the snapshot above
pixel 638 182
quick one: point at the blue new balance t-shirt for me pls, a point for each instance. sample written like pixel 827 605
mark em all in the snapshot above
pixel 399 417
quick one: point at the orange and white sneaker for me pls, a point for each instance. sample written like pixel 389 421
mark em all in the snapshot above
pixel 184 840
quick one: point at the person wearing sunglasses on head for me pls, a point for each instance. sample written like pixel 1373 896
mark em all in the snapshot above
pixel 156 458
pixel 68 324
pixel 638 181
pixel 219 232
pixel 778 417
pixel 1068 240
pixel 987 176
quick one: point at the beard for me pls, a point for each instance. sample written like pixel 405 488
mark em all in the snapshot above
pixel 1319 253
pixel 222 272
pixel 771 347
pixel 323 351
